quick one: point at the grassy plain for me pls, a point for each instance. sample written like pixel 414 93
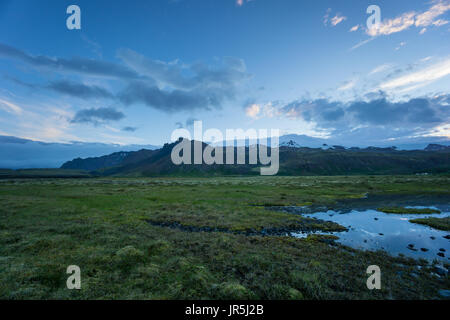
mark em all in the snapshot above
pixel 211 241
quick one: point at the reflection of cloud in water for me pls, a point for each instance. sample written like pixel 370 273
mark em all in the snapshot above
pixel 369 233
pixel 366 227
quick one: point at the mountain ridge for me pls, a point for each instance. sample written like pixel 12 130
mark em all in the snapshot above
pixel 293 161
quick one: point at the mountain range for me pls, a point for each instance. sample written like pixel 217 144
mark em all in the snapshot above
pixel 294 160
pixel 18 153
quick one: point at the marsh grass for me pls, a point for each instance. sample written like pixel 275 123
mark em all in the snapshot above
pixel 100 225
pixel 402 210
pixel 436 223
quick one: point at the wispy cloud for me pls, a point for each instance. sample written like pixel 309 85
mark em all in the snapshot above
pixel 334 21
pixel 418 78
pixel 167 86
pixel 337 19
pixel 380 68
pixel 354 28
pixel 406 20
pixel 79 65
pixel 10 107
pixel 401 44
pixel 94 46
pixel 361 43
pixel 347 85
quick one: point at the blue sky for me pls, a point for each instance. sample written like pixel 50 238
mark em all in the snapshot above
pixel 137 70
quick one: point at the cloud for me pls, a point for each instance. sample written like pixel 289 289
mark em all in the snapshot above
pixel 326 17
pixel 94 46
pixel 253 110
pixel 361 43
pixel 70 88
pixel 380 68
pixel 179 125
pixel 129 129
pixel 167 86
pixel 337 19
pixel 97 116
pixel 10 107
pixel 190 121
pixel 313 110
pixel 371 119
pixel 230 72
pixel 354 28
pixel 240 3
pixel 79 90
pixel 401 44
pixel 169 101
pixel 428 17
pixel 181 87
pixel 347 85
pixel 418 78
pixel 79 65
pixel 257 111
pixel 418 111
pixel 412 18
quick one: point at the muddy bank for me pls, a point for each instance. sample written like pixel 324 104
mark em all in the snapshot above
pixel 305 225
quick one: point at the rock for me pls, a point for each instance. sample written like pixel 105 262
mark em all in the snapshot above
pixel 381 234
pixel 440 254
pixel 410 245
pixel 424 249
pixel 432 238
pixel 375 218
pixel 447 237
pixel 442 249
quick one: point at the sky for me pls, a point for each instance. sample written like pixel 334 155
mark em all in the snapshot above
pixel 138 70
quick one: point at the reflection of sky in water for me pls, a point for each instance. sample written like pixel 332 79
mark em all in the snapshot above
pixel 365 229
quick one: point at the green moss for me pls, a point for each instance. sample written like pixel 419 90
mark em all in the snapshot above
pixel 401 210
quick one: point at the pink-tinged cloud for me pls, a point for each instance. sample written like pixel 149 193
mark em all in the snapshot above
pixel 337 19
pixel 412 18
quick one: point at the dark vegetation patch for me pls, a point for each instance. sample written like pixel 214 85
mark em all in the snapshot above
pixel 436 223
pixel 402 210
pixel 303 225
